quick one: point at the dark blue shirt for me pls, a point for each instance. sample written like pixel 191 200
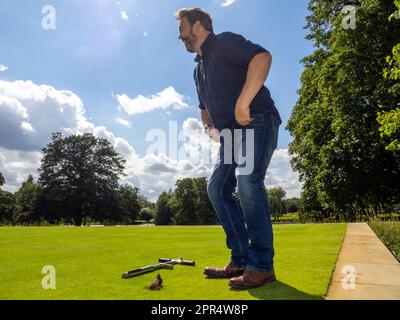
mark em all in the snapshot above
pixel 220 75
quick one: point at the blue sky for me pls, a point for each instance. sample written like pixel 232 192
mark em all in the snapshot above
pixel 102 50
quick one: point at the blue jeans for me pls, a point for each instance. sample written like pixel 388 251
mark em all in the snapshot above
pixel 248 227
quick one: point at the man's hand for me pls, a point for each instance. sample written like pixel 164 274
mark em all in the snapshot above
pixel 242 113
pixel 212 133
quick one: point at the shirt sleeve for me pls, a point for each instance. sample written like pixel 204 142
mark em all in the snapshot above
pixel 201 104
pixel 237 49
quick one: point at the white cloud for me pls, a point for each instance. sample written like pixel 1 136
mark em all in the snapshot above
pixel 227 3
pixel 17 165
pixel 197 146
pixel 280 174
pixel 3 68
pixel 29 113
pixel 124 15
pixel 123 122
pixel 166 99
pixel 13 114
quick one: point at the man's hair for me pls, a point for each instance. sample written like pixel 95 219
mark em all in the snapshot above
pixel 196 14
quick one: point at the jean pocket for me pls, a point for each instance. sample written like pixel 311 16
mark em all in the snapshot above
pixel 258 119
pixel 275 123
pixel 258 116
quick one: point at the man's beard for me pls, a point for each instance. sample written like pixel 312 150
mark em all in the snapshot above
pixel 190 42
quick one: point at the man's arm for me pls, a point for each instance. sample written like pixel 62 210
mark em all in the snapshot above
pixel 205 118
pixel 208 126
pixel 257 74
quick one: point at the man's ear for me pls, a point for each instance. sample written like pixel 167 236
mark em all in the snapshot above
pixel 197 26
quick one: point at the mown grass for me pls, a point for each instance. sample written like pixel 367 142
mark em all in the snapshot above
pixel 89 262
pixel 389 233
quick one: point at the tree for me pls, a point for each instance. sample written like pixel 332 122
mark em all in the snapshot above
pixel 79 175
pixel 293 205
pixel 147 214
pixel 7 204
pixel 390 128
pixel 164 212
pixel 185 202
pixel 392 71
pixel 144 202
pixel 191 204
pixel 128 204
pixel 2 180
pixel 277 203
pixel 204 209
pixel 26 202
pixel 337 147
pixel 390 120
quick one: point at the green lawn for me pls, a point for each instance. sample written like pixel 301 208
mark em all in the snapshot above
pixel 89 262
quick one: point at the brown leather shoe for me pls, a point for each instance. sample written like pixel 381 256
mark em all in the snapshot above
pixel 251 279
pixel 228 271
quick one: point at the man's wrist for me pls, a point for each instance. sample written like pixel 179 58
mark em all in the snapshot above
pixel 243 100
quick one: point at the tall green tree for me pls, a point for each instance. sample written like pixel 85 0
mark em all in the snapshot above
pixel 277 204
pixel 26 202
pixel 185 203
pixel 128 206
pixel 79 175
pixel 164 211
pixel 204 209
pixel 145 203
pixel 2 180
pixel 293 205
pixel 7 204
pixel 390 120
pixel 191 204
pixel 337 148
pixel 147 214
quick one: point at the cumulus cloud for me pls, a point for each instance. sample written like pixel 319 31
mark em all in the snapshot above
pixel 29 113
pixel 3 68
pixel 280 174
pixel 124 15
pixel 227 3
pixel 123 122
pixel 169 98
pixel 197 146
pixel 17 165
pixel 159 173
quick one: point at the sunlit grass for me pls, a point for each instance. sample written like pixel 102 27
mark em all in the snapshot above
pixel 89 262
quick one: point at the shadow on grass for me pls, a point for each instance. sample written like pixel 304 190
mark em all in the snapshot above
pixel 281 291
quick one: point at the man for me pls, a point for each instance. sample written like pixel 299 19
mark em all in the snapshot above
pixel 229 78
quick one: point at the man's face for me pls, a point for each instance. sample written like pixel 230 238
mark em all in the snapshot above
pixel 187 36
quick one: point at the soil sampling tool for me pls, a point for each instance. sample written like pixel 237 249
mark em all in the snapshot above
pixel 165 263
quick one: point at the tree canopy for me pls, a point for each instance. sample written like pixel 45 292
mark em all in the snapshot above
pixel 337 148
pixel 79 175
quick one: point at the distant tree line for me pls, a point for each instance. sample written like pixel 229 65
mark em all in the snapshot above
pixel 189 204
pixel 79 184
